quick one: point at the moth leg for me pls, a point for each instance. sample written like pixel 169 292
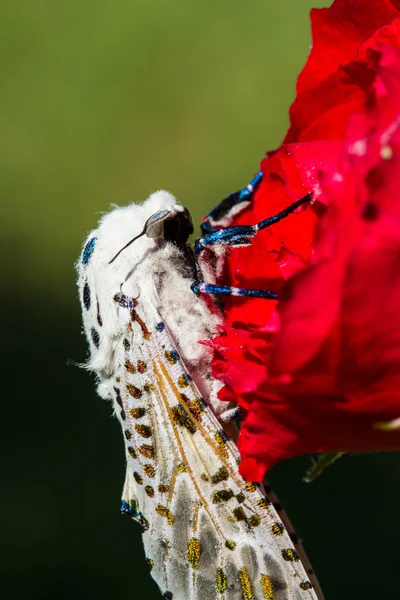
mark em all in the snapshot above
pixel 238 235
pixel 224 290
pixel 228 205
pixel 242 235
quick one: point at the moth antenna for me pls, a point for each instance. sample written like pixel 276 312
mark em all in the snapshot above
pixel 152 228
pixel 128 244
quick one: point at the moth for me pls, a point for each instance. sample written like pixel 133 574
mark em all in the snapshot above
pixel 207 533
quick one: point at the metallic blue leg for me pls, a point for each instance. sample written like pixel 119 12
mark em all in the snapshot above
pixel 224 290
pixel 223 208
pixel 242 235
pixel 239 235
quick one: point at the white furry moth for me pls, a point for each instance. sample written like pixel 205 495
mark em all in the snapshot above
pixel 207 534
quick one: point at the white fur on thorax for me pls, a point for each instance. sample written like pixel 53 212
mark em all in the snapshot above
pixel 156 273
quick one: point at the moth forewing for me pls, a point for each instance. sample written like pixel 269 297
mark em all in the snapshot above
pixel 207 534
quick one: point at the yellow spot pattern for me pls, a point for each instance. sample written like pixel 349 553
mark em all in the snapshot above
pixel 134 391
pixel 149 470
pixel 266 586
pixel 262 503
pixel 183 381
pixel 221 475
pixel 254 520
pixel 138 478
pixel 195 407
pixel 137 413
pixel 146 451
pixel 132 451
pixel 164 512
pixel 181 418
pixel 239 514
pixel 149 491
pixel 194 552
pixel 220 439
pixel 290 555
pixel 277 529
pixel 143 430
pixel 130 367
pixel 141 366
pixel 245 583
pixel 222 496
pixel 250 487
pixel 222 581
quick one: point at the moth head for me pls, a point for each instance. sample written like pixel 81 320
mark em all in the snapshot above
pixel 162 219
pixel 111 259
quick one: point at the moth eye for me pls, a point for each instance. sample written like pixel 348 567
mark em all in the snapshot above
pixel 86 296
pixel 168 596
pixel 179 228
pixel 95 337
pixel 88 251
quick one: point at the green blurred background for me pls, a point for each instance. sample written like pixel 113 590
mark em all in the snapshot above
pixel 106 102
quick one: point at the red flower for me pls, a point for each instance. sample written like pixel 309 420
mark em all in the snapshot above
pixel 331 87
pixel 331 351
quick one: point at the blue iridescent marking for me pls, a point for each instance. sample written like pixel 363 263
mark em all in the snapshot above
pixel 160 327
pixel 225 290
pixel 250 188
pixel 195 287
pixel 129 509
pixel 223 208
pixel 238 235
pixel 174 355
pixel 124 301
pixel 256 293
pixel 88 250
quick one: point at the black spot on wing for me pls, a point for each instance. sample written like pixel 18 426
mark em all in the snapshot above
pixel 86 296
pixel 95 337
pixel 99 319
